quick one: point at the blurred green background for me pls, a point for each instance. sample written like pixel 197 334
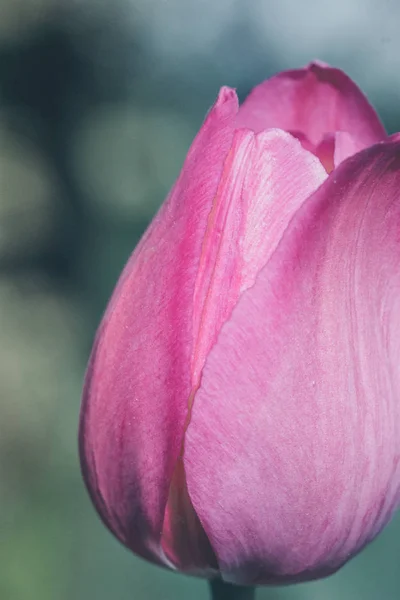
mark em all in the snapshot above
pixel 99 102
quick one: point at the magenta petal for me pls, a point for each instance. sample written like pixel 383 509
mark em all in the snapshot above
pixel 292 453
pixel 138 381
pixel 315 100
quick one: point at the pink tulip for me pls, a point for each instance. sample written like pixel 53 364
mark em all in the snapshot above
pixel 241 411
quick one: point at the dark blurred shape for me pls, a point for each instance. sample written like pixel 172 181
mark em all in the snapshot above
pixel 49 81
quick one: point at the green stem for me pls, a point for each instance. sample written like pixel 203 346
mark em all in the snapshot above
pixel 226 591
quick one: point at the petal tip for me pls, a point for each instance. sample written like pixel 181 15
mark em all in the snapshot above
pixel 319 64
pixel 227 96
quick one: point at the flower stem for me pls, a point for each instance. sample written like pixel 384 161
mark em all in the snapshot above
pixel 227 591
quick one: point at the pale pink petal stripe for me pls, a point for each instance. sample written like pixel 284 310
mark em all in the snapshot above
pixel 266 178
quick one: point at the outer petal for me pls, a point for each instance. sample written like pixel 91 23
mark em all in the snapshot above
pixel 315 100
pixel 292 453
pixel 138 381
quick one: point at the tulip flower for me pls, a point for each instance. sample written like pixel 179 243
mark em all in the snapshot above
pixel 241 410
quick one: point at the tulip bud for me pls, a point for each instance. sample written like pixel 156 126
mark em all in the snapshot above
pixel 240 415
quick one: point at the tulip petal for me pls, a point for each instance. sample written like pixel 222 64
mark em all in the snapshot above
pixel 335 148
pixel 138 384
pixel 314 100
pixel 266 178
pixel 292 453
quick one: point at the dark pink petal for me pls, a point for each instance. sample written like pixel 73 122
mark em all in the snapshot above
pixel 292 453
pixel 138 381
pixel 315 100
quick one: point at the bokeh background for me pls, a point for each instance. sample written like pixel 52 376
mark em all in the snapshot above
pixel 99 101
